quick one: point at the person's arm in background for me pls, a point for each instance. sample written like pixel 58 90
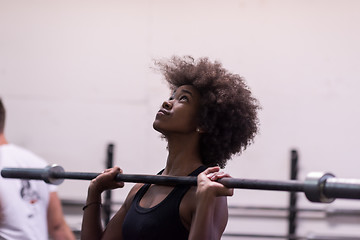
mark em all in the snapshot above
pixel 58 228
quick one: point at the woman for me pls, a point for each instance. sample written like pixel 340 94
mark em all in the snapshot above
pixel 210 116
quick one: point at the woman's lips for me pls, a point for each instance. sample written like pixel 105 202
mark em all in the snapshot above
pixel 163 112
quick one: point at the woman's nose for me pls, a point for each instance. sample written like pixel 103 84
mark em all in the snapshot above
pixel 167 105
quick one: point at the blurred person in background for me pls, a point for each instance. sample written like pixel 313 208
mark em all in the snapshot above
pixel 29 209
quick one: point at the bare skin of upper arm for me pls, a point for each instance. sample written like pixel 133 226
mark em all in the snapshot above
pixel 114 227
pixel 220 213
pixel 58 228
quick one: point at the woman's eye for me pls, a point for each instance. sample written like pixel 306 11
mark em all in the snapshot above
pixel 184 98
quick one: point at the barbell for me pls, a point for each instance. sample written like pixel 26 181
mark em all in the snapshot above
pixel 318 187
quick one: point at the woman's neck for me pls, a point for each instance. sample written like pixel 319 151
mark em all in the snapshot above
pixel 184 156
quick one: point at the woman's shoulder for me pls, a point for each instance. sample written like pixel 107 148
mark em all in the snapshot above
pixel 132 193
pixel 134 190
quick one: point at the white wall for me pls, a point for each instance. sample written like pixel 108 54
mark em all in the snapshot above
pixel 75 75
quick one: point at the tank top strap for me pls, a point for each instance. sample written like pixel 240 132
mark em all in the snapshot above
pixel 193 173
pixel 180 190
pixel 198 171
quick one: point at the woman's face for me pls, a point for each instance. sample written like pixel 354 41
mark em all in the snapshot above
pixel 179 114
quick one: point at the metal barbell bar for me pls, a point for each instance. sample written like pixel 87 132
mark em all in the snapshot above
pixel 318 187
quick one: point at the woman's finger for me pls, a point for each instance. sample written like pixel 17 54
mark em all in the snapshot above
pixel 211 170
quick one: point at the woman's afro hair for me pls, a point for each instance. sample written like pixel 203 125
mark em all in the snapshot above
pixel 228 111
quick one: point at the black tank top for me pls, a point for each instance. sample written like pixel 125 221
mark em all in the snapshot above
pixel 159 222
